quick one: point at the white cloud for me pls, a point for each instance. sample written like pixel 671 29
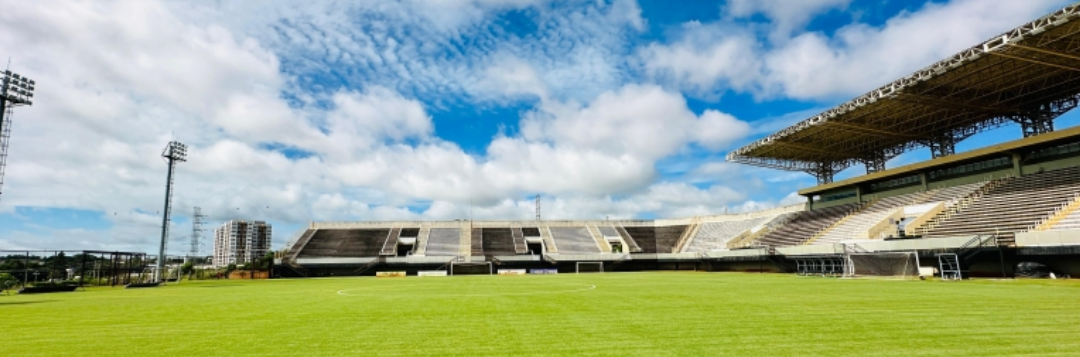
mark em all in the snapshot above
pixel 705 58
pixel 510 77
pixel 860 57
pixel 112 92
pixel 644 121
pixel 784 16
pixel 432 49
pixel 362 120
pixel 713 58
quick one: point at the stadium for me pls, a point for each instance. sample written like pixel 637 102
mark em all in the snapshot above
pixel 924 258
pixel 977 213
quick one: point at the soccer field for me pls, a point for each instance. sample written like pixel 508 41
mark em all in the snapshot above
pixel 656 313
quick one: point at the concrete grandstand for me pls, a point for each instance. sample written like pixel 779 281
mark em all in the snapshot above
pixel 990 208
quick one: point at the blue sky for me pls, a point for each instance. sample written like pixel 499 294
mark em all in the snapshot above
pixel 437 109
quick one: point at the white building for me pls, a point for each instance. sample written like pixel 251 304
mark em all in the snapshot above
pixel 239 242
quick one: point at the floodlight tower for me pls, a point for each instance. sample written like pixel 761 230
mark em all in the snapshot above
pixel 538 207
pixel 196 232
pixel 15 90
pixel 174 153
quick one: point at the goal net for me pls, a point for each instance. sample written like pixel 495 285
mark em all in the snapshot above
pixel 589 267
pixel 892 265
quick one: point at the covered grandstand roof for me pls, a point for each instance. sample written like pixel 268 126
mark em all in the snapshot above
pixel 1020 145
pixel 1029 73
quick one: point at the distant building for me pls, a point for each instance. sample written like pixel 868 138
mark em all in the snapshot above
pixel 239 242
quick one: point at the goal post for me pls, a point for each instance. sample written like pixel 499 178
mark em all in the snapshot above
pixel 471 268
pixel 888 265
pixel 589 267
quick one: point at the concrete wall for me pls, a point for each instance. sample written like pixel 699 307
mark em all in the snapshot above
pixel 1048 238
pixel 893 192
pixel 1051 165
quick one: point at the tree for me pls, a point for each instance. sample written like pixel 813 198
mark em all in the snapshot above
pixel 7 282
pixel 187 268
pixel 267 261
pixel 58 266
pixel 230 269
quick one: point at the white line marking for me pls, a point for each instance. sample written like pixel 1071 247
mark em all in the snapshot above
pixel 345 292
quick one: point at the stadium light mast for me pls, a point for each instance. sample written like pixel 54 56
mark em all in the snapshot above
pixel 174 153
pixel 196 233
pixel 538 207
pixel 15 90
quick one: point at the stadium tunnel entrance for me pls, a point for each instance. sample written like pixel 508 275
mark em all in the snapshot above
pixel 404 250
pixel 535 248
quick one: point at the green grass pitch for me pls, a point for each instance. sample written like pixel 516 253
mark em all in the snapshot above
pixel 618 314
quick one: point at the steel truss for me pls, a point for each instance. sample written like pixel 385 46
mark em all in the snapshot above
pixel 1029 75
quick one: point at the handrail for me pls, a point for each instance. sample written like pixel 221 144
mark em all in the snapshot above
pixel 963 203
pixel 1059 213
pixel 829 227
pixel 749 236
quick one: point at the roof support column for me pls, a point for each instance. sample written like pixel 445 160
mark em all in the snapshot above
pixel 943 145
pixel 824 171
pixel 1036 122
pixel 875 163
pixel 1018 165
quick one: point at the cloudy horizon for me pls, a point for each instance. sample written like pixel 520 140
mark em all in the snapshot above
pixel 436 110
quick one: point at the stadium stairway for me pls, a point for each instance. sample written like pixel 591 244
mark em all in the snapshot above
pixel 477 242
pixel 803 225
pixel 465 240
pixel 751 236
pixel 715 235
pixel 920 227
pixel 610 232
pixel 633 246
pixel 549 241
pixel 294 251
pixel 390 244
pixel 422 240
pixel 520 246
pixel 599 238
pixel 688 235
pixel 1066 218
pixel 370 265
pixel 854 226
pixel 1013 206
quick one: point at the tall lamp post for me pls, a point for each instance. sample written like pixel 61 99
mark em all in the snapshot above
pixel 15 90
pixel 174 153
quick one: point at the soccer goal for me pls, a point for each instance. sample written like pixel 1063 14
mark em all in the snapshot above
pixel 462 268
pixel 589 267
pixel 889 265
